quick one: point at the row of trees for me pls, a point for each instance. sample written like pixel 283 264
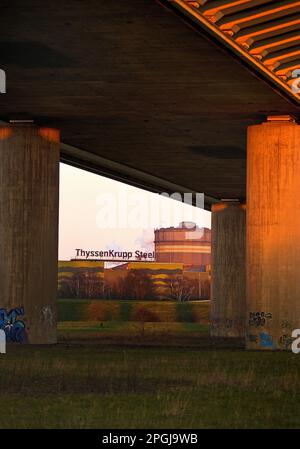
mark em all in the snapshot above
pixel 81 285
pixel 134 285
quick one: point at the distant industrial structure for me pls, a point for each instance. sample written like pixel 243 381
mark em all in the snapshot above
pixel 131 280
pixel 180 269
pixel 187 244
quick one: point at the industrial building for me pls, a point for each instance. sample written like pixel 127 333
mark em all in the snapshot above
pixel 181 268
pixel 80 278
pixel 187 244
pixel 131 280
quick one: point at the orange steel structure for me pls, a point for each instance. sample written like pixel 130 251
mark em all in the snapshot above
pixel 264 33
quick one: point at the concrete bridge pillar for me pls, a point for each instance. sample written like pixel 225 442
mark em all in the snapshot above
pixel 228 290
pixel 29 186
pixel 273 234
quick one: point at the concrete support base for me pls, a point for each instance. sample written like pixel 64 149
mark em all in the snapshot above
pixel 228 296
pixel 29 185
pixel 273 235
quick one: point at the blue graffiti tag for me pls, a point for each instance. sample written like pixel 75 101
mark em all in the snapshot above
pixel 14 328
pixel 266 340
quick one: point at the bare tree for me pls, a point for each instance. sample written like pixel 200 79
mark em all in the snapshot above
pixel 136 285
pixel 82 285
pixel 181 289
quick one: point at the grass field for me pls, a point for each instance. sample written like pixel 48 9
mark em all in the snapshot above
pixel 153 375
pixel 98 386
pixel 133 333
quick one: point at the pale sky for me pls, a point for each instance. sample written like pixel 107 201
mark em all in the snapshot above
pixel 97 213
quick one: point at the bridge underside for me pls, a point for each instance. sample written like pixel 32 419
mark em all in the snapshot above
pixel 130 82
pixel 263 33
pixel 138 94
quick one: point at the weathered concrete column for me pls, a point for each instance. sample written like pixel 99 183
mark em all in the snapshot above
pixel 228 284
pixel 29 183
pixel 273 234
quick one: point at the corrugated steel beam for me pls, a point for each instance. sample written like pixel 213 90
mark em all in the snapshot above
pixel 274 43
pixel 266 33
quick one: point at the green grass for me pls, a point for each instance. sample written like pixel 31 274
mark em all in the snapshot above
pixel 128 327
pixel 118 374
pixel 72 309
pixel 133 333
pixel 89 384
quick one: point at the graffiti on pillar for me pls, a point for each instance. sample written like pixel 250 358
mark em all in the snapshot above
pixel 253 338
pixel 47 315
pixel 266 340
pixel 286 324
pixel 215 323
pixel 228 323
pixel 285 341
pixel 259 319
pixel 14 328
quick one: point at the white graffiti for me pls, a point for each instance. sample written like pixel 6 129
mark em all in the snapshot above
pixel 47 315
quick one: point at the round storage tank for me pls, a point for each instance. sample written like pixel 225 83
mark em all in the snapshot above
pixel 187 244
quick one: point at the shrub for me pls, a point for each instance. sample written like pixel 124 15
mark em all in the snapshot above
pixel 125 311
pixel 185 313
pixel 143 314
pixel 99 311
